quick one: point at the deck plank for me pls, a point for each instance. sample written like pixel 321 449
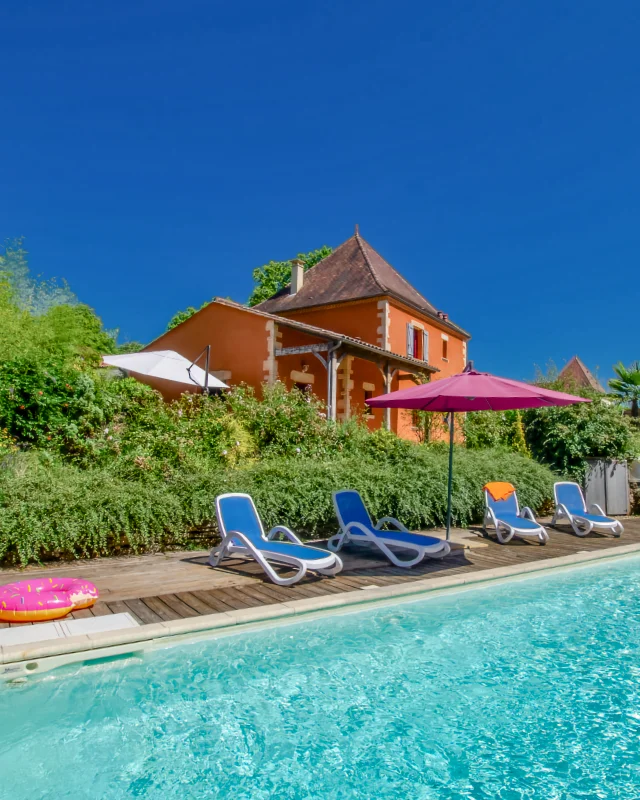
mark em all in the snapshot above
pixel 191 587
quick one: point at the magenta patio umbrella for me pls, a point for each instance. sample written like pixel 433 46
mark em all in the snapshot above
pixel 471 391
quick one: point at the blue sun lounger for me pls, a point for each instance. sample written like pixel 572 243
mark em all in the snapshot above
pixel 356 527
pixel 509 520
pixel 243 535
pixel 571 505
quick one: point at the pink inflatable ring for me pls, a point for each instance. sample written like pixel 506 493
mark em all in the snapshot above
pixel 44 598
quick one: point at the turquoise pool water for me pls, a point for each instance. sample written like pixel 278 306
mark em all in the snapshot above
pixel 524 690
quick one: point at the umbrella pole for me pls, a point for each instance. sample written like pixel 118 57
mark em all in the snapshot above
pixel 450 484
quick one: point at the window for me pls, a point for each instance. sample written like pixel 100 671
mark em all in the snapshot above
pixel 445 349
pixel 417 342
pixel 367 394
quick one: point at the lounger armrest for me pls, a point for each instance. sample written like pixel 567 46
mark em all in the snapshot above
pixel 391 521
pixel 350 525
pixel 527 513
pixel 287 532
pixel 238 535
pixel 594 508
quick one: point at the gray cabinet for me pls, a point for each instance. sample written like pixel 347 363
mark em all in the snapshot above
pixel 607 484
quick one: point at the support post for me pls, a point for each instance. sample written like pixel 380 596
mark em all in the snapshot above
pixel 332 382
pixel 387 389
pixel 450 484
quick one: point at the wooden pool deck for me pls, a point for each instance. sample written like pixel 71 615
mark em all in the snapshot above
pixel 178 585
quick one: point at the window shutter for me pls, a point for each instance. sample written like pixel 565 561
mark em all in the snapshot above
pixel 409 340
pixel 425 346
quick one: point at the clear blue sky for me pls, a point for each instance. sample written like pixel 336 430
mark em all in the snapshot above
pixel 153 152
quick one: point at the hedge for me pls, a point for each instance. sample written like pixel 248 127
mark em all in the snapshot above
pixel 62 511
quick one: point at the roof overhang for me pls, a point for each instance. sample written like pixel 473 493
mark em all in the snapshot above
pixel 347 344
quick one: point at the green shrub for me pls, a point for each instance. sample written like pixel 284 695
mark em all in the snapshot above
pixel 495 429
pixel 49 404
pixel 288 423
pixel 54 510
pixel 565 436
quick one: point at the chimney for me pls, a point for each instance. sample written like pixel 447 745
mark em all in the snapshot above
pixel 297 276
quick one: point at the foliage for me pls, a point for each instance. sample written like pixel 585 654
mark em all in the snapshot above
pixel 50 405
pixel 128 347
pixel 495 429
pixel 50 509
pixel 72 333
pixel 565 436
pixel 275 275
pixel 285 423
pixel 626 387
pixel 28 293
pixel 516 437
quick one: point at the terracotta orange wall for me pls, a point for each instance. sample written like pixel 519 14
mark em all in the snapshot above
pixel 305 363
pixel 399 317
pixel 239 343
pixel 359 319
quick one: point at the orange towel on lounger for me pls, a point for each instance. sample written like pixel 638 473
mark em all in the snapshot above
pixel 499 490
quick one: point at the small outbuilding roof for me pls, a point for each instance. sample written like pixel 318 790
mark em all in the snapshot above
pixel 577 371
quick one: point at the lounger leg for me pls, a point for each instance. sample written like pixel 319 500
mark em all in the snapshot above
pixel 334 570
pixel 440 553
pixel 218 553
pixel 502 537
pixel 336 542
pixel 581 531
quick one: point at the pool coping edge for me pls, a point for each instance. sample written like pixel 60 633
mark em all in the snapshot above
pixel 20 660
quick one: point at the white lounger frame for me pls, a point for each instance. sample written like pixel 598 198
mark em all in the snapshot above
pixel 582 526
pixel 504 531
pixel 341 538
pixel 330 565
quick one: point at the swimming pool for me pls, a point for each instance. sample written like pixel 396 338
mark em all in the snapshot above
pixel 525 689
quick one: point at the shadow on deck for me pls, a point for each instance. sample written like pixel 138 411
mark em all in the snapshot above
pixel 168 586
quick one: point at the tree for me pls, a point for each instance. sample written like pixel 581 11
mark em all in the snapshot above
pixel 626 387
pixel 180 316
pixel 28 293
pixel 129 347
pixel 275 275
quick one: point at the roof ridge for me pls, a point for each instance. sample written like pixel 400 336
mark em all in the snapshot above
pixel 399 274
pixel 368 262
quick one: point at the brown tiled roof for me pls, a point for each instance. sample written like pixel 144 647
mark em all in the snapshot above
pixel 576 370
pixel 353 271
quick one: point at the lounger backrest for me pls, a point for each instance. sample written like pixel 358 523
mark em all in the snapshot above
pixel 570 496
pixel 508 506
pixel 237 512
pixel 350 507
